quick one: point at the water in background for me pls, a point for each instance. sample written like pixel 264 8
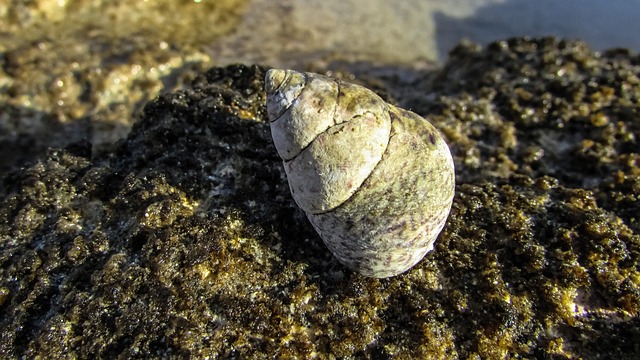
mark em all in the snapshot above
pixel 290 33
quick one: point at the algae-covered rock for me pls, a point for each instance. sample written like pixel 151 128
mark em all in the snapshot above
pixel 184 240
pixel 73 70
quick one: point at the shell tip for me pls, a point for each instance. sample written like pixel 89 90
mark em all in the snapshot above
pixel 274 79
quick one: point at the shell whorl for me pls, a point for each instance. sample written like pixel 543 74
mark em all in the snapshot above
pixel 375 181
pixel 316 122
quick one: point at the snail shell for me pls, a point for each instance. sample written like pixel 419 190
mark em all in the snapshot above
pixel 375 181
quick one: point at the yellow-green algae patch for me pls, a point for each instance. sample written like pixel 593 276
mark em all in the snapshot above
pixel 32 20
pixel 539 258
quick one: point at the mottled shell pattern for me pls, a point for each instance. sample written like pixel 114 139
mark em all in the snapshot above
pixel 375 181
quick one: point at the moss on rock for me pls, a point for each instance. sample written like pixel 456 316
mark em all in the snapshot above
pixel 184 241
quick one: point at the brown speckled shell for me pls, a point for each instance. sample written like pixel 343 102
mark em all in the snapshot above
pixel 375 181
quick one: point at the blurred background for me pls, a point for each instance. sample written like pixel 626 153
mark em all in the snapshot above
pixel 290 32
pixel 411 31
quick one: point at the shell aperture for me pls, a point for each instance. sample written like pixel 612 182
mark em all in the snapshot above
pixel 375 181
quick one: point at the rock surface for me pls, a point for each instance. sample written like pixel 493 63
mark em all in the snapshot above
pixel 184 240
pixel 85 69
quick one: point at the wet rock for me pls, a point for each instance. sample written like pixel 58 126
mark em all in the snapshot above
pixel 184 240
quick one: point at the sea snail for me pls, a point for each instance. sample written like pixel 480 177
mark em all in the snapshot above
pixel 375 181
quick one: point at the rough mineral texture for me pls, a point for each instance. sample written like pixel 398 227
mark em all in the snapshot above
pixel 184 240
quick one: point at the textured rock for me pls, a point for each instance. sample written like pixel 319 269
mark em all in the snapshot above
pixel 185 241
pixel 84 70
